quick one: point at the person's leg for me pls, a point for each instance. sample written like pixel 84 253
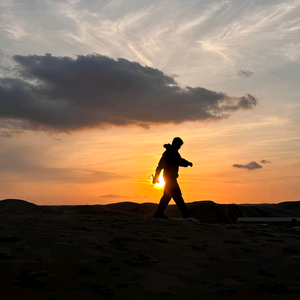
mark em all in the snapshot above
pixel 164 201
pixel 180 203
pixel 177 196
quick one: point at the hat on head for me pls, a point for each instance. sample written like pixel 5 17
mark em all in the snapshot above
pixel 177 141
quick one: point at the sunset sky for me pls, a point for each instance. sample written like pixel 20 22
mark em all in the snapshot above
pixel 91 90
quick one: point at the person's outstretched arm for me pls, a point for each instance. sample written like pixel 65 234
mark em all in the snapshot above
pixel 184 163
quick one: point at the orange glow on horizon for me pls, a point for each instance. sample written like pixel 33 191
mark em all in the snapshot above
pixel 116 163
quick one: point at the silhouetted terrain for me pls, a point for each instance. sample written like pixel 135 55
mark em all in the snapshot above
pixel 17 206
pixel 211 212
pixel 119 251
pixel 205 211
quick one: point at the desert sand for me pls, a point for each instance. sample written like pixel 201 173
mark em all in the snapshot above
pixel 111 252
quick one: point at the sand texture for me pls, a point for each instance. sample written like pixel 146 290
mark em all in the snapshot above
pixel 73 253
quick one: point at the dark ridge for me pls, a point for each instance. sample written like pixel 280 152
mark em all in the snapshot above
pixel 132 207
pixel 289 205
pixel 125 206
pixel 209 211
pixel 17 206
pixel 205 211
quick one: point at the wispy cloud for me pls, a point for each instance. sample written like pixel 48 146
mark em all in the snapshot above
pixel 13 30
pixel 10 133
pixel 172 36
pixel 29 4
pixel 187 38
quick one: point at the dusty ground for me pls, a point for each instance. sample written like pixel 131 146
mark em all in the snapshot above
pixel 65 256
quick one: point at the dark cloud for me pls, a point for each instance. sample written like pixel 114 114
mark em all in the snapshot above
pixel 244 73
pixel 264 161
pixel 120 196
pixel 66 94
pixel 251 166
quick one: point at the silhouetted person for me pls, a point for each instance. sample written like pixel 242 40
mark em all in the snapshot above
pixel 170 163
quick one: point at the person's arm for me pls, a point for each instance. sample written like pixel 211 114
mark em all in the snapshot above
pixel 177 160
pixel 184 163
pixel 158 169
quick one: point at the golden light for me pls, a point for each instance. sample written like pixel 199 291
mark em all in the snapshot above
pixel 161 182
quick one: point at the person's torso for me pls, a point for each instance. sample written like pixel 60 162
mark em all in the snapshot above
pixel 171 166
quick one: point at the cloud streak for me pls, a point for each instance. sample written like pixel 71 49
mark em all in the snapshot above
pixel 251 166
pixel 63 94
pixel 113 196
pixel 264 161
pixel 48 174
pixel 244 73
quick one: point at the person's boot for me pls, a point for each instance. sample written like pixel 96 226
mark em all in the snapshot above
pixel 187 213
pixel 160 215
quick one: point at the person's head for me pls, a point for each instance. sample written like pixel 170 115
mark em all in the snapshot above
pixel 177 143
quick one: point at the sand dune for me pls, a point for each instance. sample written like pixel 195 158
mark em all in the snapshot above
pixel 96 252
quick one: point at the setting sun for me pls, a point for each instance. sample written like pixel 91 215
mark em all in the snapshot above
pixel 161 182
